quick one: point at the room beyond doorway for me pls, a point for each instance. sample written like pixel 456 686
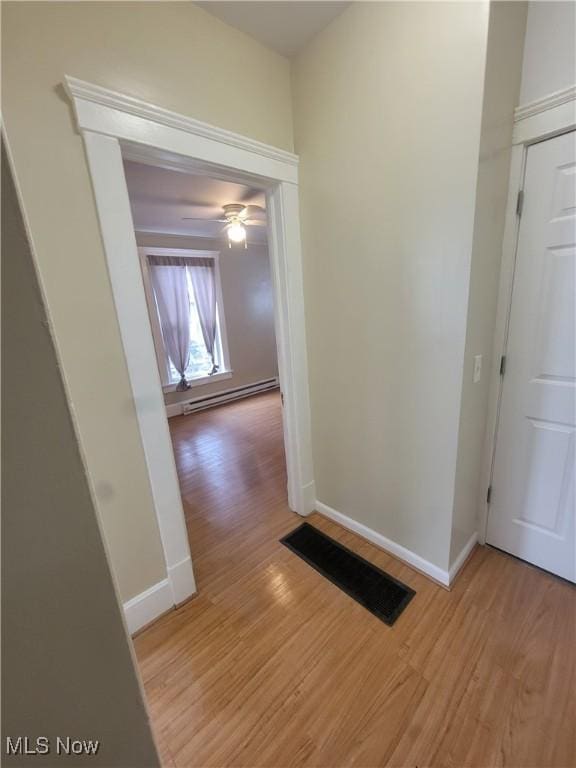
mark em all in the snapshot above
pixel 210 300
pixel 224 337
pixel 232 471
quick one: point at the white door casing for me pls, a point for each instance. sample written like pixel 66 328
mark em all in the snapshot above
pixel 114 126
pixel 532 511
pixel 551 116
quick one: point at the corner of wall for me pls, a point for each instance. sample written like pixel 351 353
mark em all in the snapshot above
pixel 501 91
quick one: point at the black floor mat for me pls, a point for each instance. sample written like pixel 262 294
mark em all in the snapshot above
pixel 381 594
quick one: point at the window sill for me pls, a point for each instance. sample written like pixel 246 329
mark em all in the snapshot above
pixel 201 381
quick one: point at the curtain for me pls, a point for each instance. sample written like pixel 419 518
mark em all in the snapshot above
pixel 168 276
pixel 203 281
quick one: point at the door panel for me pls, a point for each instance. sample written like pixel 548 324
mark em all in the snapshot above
pixel 554 356
pixel 532 506
pixel 550 451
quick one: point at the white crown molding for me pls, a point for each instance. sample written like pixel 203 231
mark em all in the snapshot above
pixel 545 118
pixel 555 99
pixel 96 94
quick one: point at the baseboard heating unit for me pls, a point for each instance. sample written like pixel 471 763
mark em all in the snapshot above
pixel 225 396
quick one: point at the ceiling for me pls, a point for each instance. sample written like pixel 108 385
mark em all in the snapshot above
pixel 285 27
pixel 160 198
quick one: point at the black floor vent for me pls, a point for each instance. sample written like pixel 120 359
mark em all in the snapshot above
pixel 378 592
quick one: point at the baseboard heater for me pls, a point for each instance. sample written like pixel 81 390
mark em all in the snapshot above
pixel 226 395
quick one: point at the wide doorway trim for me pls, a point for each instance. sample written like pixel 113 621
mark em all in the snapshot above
pixel 115 126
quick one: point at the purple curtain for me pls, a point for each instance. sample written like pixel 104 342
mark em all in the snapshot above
pixel 201 273
pixel 168 277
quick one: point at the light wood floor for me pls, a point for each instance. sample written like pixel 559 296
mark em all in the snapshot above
pixel 271 665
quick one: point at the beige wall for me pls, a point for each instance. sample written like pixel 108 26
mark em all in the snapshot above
pixel 387 104
pixel 501 92
pixel 248 308
pixel 66 661
pixel 177 56
pixel 549 62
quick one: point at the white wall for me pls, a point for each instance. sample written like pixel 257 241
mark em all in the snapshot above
pixel 549 52
pixel 387 104
pixel 248 307
pixel 171 54
pixel 501 90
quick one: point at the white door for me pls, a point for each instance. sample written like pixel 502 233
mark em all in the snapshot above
pixel 532 502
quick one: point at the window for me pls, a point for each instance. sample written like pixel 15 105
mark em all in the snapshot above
pixel 201 366
pixel 200 363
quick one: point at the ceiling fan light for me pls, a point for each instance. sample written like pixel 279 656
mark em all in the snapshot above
pixel 236 233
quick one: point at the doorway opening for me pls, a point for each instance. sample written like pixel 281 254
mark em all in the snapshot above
pixel 116 128
pixel 208 284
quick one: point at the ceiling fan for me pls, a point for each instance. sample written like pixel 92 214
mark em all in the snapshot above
pixel 236 218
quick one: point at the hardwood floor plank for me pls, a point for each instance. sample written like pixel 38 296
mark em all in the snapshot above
pixel 273 666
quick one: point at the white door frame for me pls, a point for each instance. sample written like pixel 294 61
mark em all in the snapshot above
pixel 115 126
pixel 534 122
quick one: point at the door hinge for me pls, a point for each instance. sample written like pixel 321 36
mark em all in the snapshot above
pixel 520 203
pixel 282 397
pixel 489 494
pixel 502 365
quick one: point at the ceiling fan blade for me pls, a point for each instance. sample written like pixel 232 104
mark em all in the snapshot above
pixel 254 211
pixel 195 218
pixel 250 193
pixel 255 222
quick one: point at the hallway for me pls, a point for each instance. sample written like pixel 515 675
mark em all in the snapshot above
pixel 271 665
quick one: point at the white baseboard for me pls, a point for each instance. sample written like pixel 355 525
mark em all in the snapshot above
pixel 179 586
pixel 152 603
pixel 181 580
pixel 148 605
pixel 406 555
pixel 308 494
pixel 462 557
pixel 446 578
